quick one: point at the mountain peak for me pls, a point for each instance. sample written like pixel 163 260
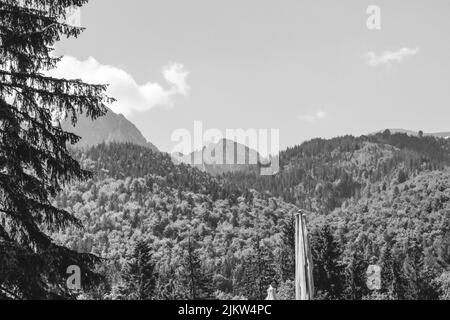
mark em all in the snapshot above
pixel 221 157
pixel 112 127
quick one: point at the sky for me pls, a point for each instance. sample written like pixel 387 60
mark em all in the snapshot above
pixel 309 68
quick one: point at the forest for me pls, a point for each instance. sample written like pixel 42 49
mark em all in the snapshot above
pixel 140 227
pixel 210 238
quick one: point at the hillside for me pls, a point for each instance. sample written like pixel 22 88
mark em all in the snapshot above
pixel 320 175
pixel 232 242
pixel 110 128
pixel 139 195
pixel 405 228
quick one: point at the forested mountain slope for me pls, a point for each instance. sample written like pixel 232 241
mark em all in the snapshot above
pixel 405 229
pixel 320 175
pixel 121 160
pixel 191 220
pixel 206 237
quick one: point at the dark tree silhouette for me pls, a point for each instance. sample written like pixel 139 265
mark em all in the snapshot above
pixel 138 276
pixel 34 161
pixel 328 270
pixel 198 283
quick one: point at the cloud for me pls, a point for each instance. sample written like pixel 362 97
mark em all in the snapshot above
pixel 176 74
pixel 131 97
pixel 387 58
pixel 313 117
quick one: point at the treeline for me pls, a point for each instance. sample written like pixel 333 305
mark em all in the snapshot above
pixel 163 241
pixel 121 160
pixel 321 175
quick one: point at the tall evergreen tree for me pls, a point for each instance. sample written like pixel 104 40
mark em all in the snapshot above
pixel 387 263
pixel 328 270
pixel 259 272
pixel 34 160
pixel 198 282
pixel 139 278
pixel 356 284
pixel 247 285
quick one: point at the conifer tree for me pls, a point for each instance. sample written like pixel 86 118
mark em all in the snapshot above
pixel 139 278
pixel 198 282
pixel 266 270
pixel 387 263
pixel 34 159
pixel 259 272
pixel 328 270
pixel 356 286
pixel 248 283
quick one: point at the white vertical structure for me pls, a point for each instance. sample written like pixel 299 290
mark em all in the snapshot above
pixel 304 281
pixel 271 293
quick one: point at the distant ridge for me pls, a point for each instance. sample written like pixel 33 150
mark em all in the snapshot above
pixel 110 128
pixel 445 135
